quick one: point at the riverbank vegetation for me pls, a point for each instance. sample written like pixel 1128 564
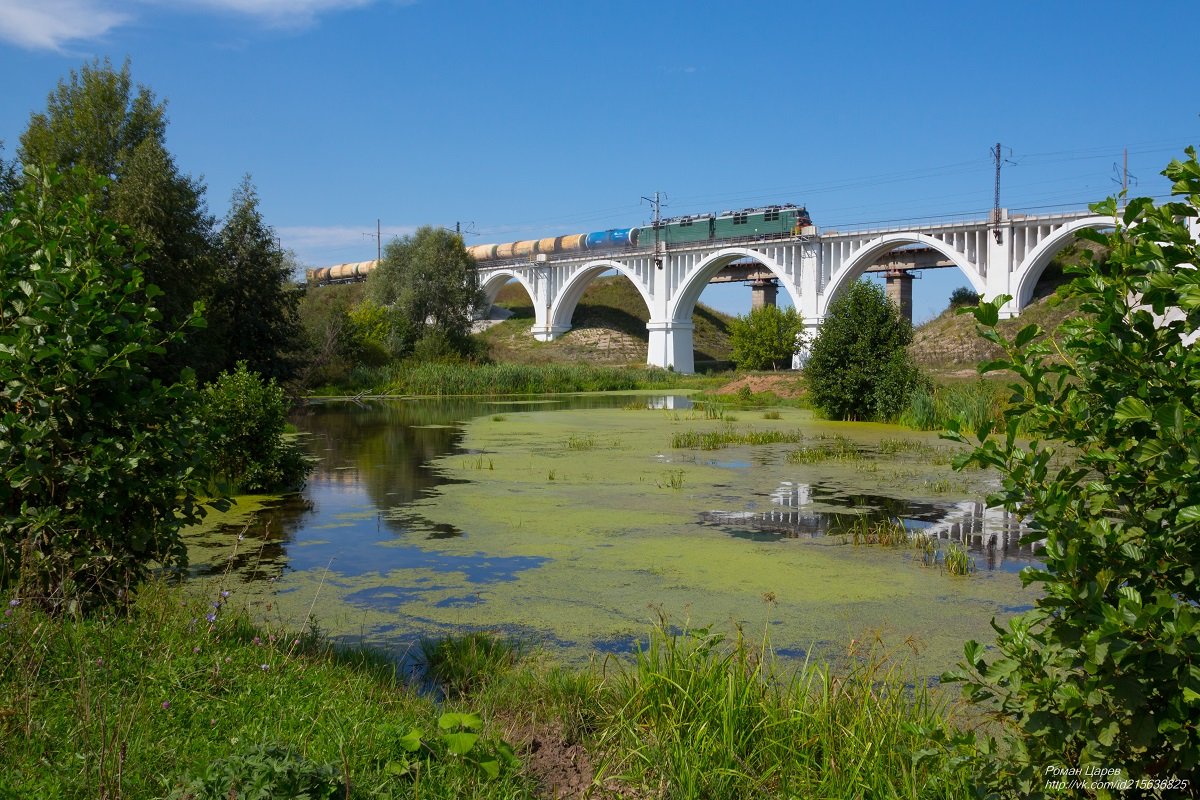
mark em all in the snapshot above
pixel 180 695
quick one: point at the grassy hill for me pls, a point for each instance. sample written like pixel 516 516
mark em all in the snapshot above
pixel 609 327
pixel 950 342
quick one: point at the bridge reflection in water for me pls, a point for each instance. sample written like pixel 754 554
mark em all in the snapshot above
pixel 801 510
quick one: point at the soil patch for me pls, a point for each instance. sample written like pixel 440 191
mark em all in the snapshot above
pixel 783 384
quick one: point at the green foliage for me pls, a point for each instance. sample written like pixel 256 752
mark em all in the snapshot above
pixel 264 772
pixel 463 664
pixel 330 340
pixel 963 296
pixel 8 181
pixel 967 405
pixel 446 379
pixel 244 418
pixel 459 741
pixel 767 338
pixel 154 700
pixel 697 716
pixel 1102 673
pixel 97 121
pixel 376 333
pixel 859 367
pixel 97 458
pixel 432 283
pixel 254 304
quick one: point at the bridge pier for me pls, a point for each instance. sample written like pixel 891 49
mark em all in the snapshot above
pixel 548 333
pixel 763 293
pixel 899 291
pixel 671 345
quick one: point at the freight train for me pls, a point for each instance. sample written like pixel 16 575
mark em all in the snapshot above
pixel 750 223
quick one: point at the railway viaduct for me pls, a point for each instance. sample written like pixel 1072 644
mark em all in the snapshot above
pixel 1001 255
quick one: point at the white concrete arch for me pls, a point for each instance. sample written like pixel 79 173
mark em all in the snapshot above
pixel 497 280
pixel 683 304
pixel 568 296
pixel 1027 273
pixel 865 256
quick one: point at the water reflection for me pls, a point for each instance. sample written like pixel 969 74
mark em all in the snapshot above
pixel 802 510
pixel 373 459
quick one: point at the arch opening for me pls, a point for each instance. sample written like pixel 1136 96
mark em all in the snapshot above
pixel 563 313
pixel 1034 267
pixel 683 306
pixel 911 257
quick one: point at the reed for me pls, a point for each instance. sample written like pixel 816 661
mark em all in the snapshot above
pixel 698 715
pixel 957 561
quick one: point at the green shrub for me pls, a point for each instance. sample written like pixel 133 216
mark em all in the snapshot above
pixel 1102 672
pixel 963 296
pixel 466 663
pixel 859 367
pixel 244 418
pixel 265 771
pixel 98 459
pixel 767 338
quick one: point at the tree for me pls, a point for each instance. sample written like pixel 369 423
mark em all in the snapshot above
pixel 1103 671
pixel 963 296
pixel 767 338
pixel 430 281
pixel 98 458
pixel 254 305
pixel 859 367
pixel 8 181
pixel 97 122
pixel 243 417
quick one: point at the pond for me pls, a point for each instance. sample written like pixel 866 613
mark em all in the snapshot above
pixel 574 522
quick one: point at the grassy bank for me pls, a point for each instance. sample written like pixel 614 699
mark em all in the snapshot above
pixel 443 380
pixel 182 696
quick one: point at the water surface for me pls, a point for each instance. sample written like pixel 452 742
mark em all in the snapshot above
pixel 572 522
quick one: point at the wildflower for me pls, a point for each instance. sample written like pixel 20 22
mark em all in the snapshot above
pixel 258 641
pixel 211 617
pixel 196 649
pixel 166 704
pixel 99 662
pixel 14 602
pixel 224 593
pixel 264 667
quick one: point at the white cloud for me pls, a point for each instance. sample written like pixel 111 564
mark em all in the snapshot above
pixel 278 13
pixel 49 24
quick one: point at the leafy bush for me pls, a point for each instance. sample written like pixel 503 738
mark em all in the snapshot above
pixel 1102 672
pixel 963 296
pixel 767 338
pixel 263 773
pixel 97 458
pixel 463 664
pixel 244 418
pixel 859 367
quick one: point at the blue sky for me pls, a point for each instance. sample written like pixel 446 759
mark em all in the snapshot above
pixel 532 119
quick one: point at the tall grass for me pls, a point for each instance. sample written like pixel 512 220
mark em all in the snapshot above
pixel 440 379
pixel 144 702
pixel 462 664
pixel 969 404
pixel 698 716
pixel 839 448
pixel 715 440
